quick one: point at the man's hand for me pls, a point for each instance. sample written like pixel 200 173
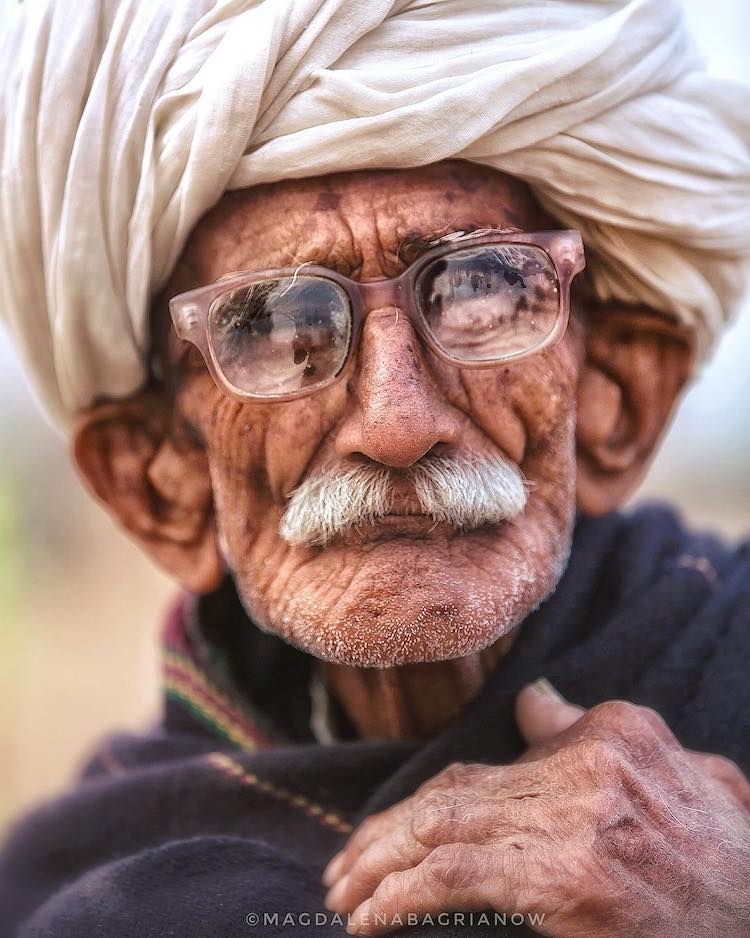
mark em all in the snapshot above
pixel 606 826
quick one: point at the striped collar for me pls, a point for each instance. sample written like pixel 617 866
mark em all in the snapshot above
pixel 197 680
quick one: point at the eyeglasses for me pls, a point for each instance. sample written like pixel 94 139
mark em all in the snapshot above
pixel 476 300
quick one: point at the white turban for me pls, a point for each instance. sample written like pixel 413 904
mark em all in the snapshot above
pixel 123 121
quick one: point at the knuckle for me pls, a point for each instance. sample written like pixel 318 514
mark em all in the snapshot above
pixel 427 828
pixel 615 714
pixel 599 757
pixel 625 717
pixel 640 730
pixel 651 722
pixel 390 889
pixel 438 819
pixel 454 775
pixel 450 868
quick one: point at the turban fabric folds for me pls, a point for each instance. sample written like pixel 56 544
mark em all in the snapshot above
pixel 123 121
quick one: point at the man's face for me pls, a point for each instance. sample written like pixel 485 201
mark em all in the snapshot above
pixel 400 589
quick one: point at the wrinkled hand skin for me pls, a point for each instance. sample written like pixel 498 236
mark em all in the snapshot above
pixel 607 828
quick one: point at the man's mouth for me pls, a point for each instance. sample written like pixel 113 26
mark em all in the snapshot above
pixel 415 525
pixel 406 518
pixel 437 497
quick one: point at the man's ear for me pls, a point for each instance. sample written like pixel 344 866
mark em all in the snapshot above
pixel 156 484
pixel 636 363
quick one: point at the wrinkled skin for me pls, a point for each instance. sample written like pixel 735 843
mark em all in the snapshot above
pixel 199 475
pixel 605 827
pixel 398 592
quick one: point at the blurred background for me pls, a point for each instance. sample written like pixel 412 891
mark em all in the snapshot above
pixel 80 607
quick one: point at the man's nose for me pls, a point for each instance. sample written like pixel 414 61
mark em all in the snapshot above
pixel 399 413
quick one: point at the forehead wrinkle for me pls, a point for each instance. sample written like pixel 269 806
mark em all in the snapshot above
pixel 324 239
pixel 341 255
pixel 387 241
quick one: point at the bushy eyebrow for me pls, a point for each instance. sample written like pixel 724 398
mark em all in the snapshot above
pixel 417 243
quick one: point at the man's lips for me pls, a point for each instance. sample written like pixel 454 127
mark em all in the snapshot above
pixel 394 525
pixel 406 518
pixel 406 521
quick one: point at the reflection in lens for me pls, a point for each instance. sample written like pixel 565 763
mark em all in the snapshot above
pixel 281 336
pixel 490 302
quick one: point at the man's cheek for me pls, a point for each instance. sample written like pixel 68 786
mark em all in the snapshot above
pixel 519 407
pixel 490 408
pixel 294 435
pixel 545 401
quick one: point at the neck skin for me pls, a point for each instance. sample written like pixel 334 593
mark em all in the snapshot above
pixel 413 701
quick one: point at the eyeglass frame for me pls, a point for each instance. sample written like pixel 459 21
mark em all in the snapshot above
pixel 191 311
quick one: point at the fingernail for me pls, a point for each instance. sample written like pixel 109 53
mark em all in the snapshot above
pixel 336 894
pixel 332 872
pixel 543 686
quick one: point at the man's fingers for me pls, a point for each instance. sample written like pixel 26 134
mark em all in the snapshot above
pixel 438 819
pixel 371 829
pixel 387 855
pixel 461 804
pixel 452 877
pixel 388 822
pixel 542 713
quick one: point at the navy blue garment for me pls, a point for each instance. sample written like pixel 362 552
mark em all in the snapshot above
pixel 229 809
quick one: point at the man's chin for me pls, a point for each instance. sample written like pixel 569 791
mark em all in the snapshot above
pixel 390 615
pixel 435 633
pixel 387 597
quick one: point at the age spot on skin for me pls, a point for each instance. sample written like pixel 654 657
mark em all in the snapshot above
pixel 468 181
pixel 415 362
pixel 328 202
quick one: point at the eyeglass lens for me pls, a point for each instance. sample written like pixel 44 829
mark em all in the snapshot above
pixel 480 304
pixel 281 336
pixel 489 302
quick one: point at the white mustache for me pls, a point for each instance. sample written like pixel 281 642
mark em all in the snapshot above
pixel 464 492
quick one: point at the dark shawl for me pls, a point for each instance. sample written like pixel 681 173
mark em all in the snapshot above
pixel 229 807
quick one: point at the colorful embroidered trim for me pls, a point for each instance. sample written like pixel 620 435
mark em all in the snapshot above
pixel 184 682
pixel 234 770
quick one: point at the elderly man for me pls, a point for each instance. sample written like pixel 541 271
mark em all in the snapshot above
pixel 305 281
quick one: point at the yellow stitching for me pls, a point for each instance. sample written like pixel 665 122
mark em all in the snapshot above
pixel 231 768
